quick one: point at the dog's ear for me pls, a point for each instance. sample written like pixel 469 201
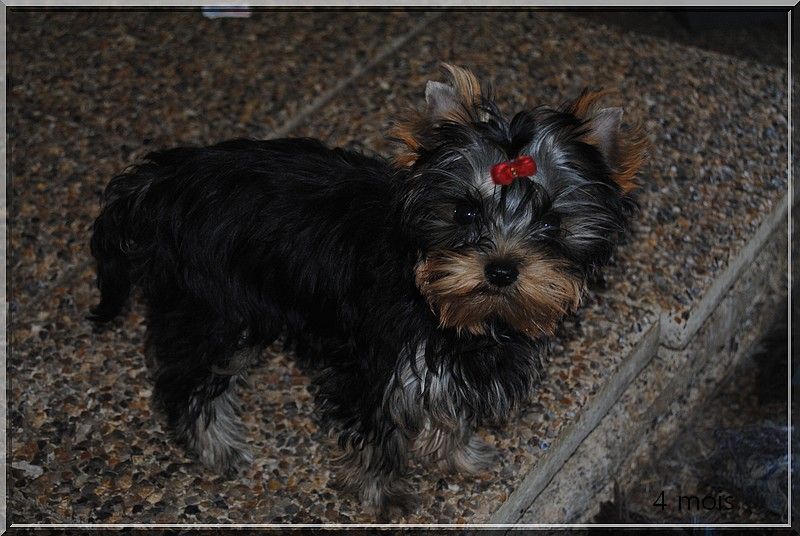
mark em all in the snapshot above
pixel 604 130
pixel 441 98
pixel 624 149
pixel 455 101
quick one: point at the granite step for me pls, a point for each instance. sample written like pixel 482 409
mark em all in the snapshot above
pixel 713 195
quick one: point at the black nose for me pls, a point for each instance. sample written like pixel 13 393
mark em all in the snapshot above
pixel 501 273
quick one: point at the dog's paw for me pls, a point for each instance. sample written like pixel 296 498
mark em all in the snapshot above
pixel 389 501
pixel 227 460
pixel 474 457
pixel 388 498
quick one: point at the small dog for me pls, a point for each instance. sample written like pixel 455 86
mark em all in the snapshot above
pixel 421 290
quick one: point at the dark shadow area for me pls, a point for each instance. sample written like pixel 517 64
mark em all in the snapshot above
pixel 759 36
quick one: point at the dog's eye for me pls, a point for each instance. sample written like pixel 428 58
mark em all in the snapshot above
pixel 465 214
pixel 549 222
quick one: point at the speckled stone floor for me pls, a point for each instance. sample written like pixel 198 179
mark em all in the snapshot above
pixel 90 92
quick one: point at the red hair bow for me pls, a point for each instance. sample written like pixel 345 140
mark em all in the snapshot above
pixel 504 173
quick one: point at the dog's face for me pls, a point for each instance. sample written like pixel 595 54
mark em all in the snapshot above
pixel 516 253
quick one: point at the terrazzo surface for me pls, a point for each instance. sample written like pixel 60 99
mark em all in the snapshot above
pixel 82 436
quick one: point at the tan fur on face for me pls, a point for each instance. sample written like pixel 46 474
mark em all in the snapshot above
pixel 449 281
pixel 411 125
pixel 456 289
pixel 631 145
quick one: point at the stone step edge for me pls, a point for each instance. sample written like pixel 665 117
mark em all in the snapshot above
pixel 670 376
pixel 569 440
pixel 679 412
pixel 677 336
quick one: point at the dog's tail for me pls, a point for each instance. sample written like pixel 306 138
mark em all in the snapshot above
pixel 114 238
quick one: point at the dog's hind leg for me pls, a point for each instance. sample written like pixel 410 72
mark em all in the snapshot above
pixel 198 365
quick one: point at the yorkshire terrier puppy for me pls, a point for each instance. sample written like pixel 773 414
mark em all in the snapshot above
pixel 420 290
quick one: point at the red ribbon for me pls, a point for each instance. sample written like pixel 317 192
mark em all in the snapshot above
pixel 504 173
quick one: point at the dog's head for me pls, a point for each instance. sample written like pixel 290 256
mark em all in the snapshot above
pixel 498 240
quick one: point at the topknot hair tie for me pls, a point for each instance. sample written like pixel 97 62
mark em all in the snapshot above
pixel 504 173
